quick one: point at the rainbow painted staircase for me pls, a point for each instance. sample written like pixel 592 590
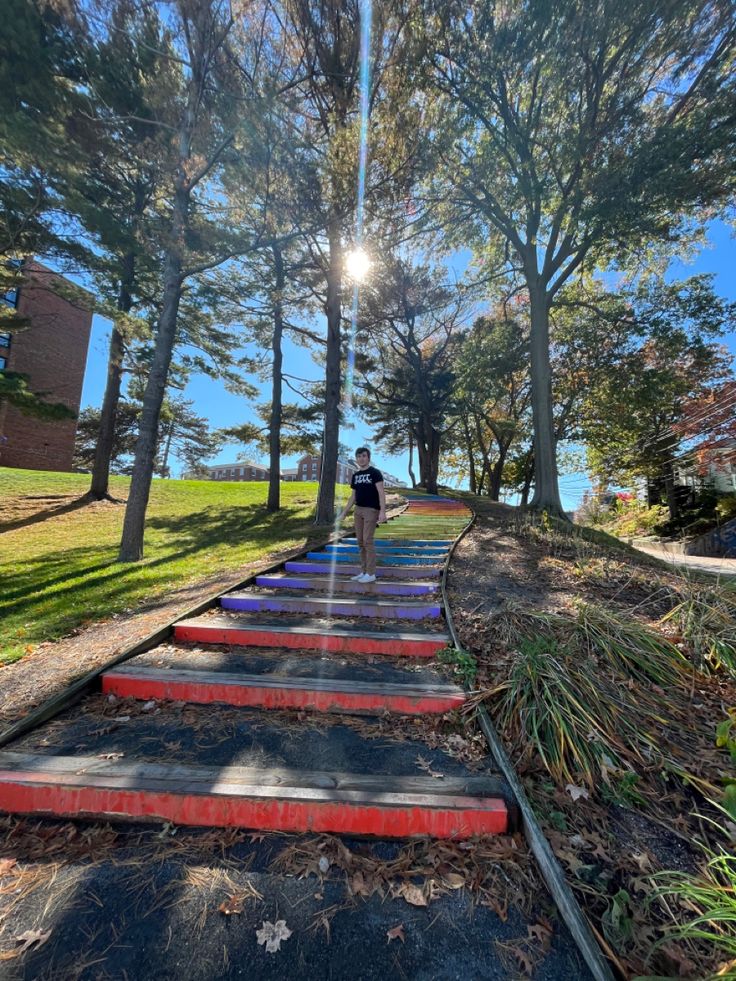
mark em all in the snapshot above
pixel 202 748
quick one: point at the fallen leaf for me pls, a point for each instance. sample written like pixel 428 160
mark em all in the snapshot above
pixel 539 932
pixel 121 718
pixel 148 706
pixel 453 880
pixel 577 792
pixel 233 904
pixel 427 767
pixel 412 894
pixel 396 933
pixel 524 960
pixel 643 860
pixel 110 756
pixel 6 864
pixel 358 885
pixel 324 864
pixel 271 934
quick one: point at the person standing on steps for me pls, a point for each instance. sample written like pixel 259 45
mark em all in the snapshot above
pixel 369 497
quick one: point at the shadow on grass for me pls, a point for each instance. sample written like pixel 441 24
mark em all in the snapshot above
pixel 40 516
pixel 187 535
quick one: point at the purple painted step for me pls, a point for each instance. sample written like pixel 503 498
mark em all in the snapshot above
pixel 346 585
pixel 383 572
pixel 346 606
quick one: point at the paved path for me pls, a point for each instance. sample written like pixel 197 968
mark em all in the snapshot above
pixel 704 563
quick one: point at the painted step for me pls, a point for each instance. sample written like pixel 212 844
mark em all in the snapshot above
pixel 384 559
pixel 382 571
pixel 348 548
pixel 231 630
pixel 335 606
pixel 274 692
pixel 341 584
pixel 388 542
pixel 232 796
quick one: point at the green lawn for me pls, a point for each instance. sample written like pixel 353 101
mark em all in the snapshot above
pixel 58 571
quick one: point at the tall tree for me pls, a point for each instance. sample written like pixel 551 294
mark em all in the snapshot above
pixel 636 413
pixel 207 103
pixel 576 132
pixel 410 334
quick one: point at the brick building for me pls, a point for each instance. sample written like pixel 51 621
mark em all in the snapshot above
pixel 52 352
pixel 247 470
pixel 309 467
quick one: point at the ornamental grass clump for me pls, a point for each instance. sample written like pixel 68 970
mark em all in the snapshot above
pixel 710 898
pixel 585 693
pixel 706 622
pixel 630 647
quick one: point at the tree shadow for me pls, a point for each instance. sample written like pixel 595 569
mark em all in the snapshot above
pixel 47 513
pixel 188 535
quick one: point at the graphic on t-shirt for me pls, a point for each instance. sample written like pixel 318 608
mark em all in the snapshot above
pixel 364 483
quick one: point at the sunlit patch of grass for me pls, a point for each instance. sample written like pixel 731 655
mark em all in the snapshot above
pixel 61 571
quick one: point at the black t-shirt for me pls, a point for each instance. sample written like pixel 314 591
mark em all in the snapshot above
pixel 364 483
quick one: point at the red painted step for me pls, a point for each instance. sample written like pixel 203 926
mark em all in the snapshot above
pixel 230 796
pixel 274 692
pixel 344 640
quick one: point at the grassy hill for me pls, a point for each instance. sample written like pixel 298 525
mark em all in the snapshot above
pixel 58 558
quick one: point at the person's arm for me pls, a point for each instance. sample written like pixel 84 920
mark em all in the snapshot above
pixel 382 501
pixel 350 502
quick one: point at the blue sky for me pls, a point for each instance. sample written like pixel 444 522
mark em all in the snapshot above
pixel 224 409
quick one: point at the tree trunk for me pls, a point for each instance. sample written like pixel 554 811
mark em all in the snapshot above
pixel 99 486
pixel 528 477
pixel 471 458
pixel 673 502
pixel 494 490
pixel 131 545
pixel 546 488
pixel 411 460
pixel 325 514
pixel 274 436
pixel 167 450
pixel 428 449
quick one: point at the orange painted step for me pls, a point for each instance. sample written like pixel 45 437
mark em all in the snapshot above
pixel 278 692
pixel 231 796
pixel 343 640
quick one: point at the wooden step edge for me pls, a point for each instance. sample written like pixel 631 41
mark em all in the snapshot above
pixel 225 802
pixel 257 691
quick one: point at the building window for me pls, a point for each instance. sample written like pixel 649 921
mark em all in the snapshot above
pixel 10 298
pixel 4 340
pixel 3 362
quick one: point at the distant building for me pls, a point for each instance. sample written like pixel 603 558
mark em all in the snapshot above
pixel 52 352
pixel 309 467
pixel 246 470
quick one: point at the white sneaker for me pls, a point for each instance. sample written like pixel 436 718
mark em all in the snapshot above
pixel 358 578
pixel 367 578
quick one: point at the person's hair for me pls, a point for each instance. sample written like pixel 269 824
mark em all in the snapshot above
pixel 363 449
